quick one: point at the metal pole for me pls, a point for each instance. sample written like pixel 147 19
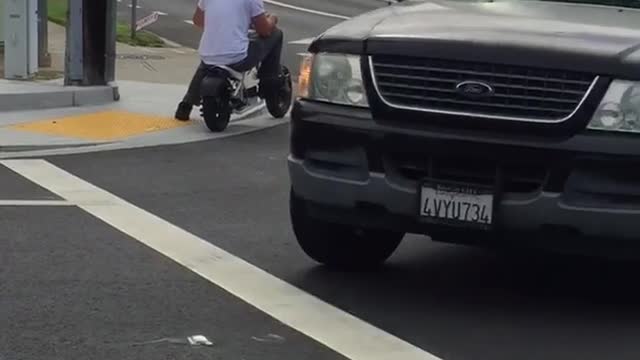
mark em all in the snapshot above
pixel 44 58
pixel 74 64
pixel 134 15
pixel 110 50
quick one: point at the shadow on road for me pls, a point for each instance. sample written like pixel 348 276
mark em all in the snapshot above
pixel 461 303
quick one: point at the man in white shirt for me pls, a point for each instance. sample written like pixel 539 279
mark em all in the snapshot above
pixel 225 41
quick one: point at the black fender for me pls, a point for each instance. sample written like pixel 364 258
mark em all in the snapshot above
pixel 215 83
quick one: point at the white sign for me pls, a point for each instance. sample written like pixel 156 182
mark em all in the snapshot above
pixel 147 20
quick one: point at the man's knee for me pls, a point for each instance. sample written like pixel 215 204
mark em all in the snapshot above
pixel 277 35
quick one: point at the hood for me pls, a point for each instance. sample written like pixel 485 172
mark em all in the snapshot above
pixel 600 36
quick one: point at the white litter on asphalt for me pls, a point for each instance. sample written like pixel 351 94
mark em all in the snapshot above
pixel 328 325
pixel 270 338
pixel 199 340
pixel 195 340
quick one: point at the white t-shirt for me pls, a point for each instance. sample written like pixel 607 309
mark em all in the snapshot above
pixel 225 39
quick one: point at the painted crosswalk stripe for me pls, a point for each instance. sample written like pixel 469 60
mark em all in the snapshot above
pixel 330 326
pixel 307 10
pixel 35 203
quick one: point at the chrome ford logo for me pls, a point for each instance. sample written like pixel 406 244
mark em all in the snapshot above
pixel 474 89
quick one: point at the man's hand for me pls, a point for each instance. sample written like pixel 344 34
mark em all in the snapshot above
pixel 198 18
pixel 274 19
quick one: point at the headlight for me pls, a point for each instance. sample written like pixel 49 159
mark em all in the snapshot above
pixel 620 108
pixel 332 78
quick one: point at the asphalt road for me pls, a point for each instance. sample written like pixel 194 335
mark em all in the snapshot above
pixel 74 287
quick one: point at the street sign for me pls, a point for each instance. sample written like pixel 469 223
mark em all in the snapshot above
pixel 147 20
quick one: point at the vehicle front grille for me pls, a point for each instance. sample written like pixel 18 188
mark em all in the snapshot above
pixel 517 176
pixel 519 93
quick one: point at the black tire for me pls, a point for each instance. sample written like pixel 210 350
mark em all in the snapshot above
pixel 216 113
pixel 339 246
pixel 279 104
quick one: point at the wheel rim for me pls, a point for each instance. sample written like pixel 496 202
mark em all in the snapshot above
pixel 216 116
pixel 285 92
pixel 285 97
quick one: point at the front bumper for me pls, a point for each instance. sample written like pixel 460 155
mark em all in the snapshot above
pixel 352 169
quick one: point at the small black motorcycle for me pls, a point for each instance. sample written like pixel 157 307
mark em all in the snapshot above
pixel 225 92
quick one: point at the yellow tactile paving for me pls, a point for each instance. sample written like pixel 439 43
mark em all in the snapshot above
pixel 101 126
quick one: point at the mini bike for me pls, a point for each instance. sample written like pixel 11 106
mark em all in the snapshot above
pixel 225 92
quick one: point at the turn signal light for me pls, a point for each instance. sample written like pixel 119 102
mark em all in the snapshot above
pixel 304 79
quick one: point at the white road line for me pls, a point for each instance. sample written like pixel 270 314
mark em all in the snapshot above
pixel 306 41
pixel 190 22
pixel 35 203
pixel 161 13
pixel 310 11
pixel 336 329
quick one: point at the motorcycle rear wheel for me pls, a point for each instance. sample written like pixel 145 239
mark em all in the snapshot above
pixel 216 113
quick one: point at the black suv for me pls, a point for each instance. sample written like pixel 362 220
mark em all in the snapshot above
pixel 507 122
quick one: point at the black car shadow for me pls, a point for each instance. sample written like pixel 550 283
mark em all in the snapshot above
pixel 467 303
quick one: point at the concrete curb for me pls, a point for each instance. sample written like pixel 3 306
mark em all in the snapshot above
pixel 50 97
pixel 243 127
pixel 71 148
pixel 167 42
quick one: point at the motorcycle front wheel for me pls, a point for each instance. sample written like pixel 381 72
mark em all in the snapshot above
pixel 216 113
pixel 278 104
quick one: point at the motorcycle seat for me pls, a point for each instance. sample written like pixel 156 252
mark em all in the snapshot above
pixel 234 74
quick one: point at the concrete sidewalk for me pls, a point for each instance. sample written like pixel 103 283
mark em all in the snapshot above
pixel 142 118
pixel 54 119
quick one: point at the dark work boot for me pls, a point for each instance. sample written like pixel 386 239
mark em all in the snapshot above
pixel 183 112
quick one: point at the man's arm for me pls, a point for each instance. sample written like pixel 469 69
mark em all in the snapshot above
pixel 265 24
pixel 198 18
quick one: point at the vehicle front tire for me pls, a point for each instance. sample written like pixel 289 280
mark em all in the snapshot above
pixel 338 246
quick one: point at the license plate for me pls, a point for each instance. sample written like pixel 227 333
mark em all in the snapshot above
pixel 458 204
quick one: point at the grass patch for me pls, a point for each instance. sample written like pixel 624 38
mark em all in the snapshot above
pixel 57 11
pixel 143 38
pixel 58 14
pixel 49 75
